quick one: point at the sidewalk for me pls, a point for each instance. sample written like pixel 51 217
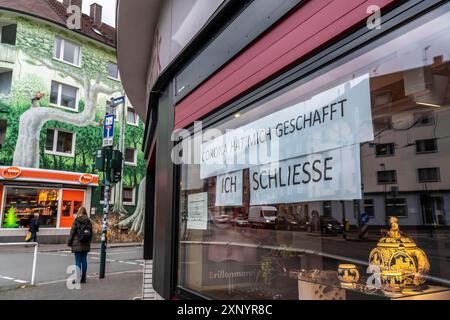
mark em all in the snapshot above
pixel 119 286
pixel 63 247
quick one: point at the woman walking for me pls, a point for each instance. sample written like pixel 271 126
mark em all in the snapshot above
pixel 80 241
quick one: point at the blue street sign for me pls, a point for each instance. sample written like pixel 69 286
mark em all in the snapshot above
pixel 108 131
pixel 364 218
pixel 120 100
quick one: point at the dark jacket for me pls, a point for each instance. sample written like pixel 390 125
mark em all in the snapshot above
pixel 34 225
pixel 73 242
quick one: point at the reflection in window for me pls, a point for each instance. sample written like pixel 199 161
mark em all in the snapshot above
pixel 429 175
pixel 242 253
pixel 426 146
pixel 387 177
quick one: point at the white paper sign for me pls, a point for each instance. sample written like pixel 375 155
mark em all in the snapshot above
pixel 329 175
pixel 198 211
pixel 229 189
pixel 335 118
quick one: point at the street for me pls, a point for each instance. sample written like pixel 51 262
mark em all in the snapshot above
pixel 123 270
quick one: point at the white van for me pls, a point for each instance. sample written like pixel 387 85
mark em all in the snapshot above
pixel 262 215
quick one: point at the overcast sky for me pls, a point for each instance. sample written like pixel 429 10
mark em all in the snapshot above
pixel 109 10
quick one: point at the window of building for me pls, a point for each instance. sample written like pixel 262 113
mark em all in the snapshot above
pixel 429 174
pixel 22 203
pixel 426 146
pixel 8 33
pixel 64 96
pixel 130 157
pixel 60 142
pixel 385 149
pixel 424 118
pixel 129 196
pixel 5 83
pixel 369 207
pixel 113 71
pixel 67 51
pixel 132 117
pixel 396 207
pixel 387 177
pixel 327 208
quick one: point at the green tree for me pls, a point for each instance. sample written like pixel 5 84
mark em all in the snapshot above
pixel 11 219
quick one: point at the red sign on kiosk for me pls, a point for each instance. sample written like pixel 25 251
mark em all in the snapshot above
pixel 11 172
pixel 86 178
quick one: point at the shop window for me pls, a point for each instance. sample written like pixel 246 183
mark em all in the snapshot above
pixel 385 149
pixel 396 207
pixel 67 51
pixel 130 157
pixel 132 117
pixel 253 230
pixel 129 196
pixel 60 142
pixel 64 96
pixel 426 146
pixel 387 177
pixel 369 207
pixel 429 174
pixel 22 203
pixel 113 71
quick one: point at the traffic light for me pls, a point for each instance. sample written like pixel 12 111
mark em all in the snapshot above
pixel 116 166
pixel 100 163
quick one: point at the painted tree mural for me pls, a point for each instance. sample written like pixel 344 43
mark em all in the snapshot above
pixel 28 120
pixel 91 77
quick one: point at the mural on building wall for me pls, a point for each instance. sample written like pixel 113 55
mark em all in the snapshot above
pixel 29 113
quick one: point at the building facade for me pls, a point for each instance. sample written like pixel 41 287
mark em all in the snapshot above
pixel 288 139
pixel 55 83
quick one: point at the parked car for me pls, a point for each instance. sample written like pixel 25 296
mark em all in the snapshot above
pixel 263 216
pixel 240 221
pixel 329 225
pixel 290 222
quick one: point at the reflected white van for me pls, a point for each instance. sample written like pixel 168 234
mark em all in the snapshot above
pixel 262 215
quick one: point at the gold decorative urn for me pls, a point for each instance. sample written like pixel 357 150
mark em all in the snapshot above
pixel 398 252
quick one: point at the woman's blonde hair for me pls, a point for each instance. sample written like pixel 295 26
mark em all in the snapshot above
pixel 82 212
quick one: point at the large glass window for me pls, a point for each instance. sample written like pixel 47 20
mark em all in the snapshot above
pixel 285 226
pixel 22 203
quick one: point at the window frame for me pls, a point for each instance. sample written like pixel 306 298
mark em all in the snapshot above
pixel 405 205
pixel 55 143
pixel 372 205
pixel 436 149
pixel 57 105
pixel 438 170
pixel 136 123
pixel 385 155
pixel 131 164
pixel 61 57
pixel 118 72
pixel 391 182
pixel 133 202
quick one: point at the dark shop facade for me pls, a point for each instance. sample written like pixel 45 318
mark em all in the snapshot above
pixel 296 150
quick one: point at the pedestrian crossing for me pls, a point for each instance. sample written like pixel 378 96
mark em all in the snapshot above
pixel 147 288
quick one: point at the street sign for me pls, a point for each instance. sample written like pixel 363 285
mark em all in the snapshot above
pixel 108 131
pixel 364 218
pixel 120 100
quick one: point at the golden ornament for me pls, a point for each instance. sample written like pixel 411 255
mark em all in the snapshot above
pixel 398 252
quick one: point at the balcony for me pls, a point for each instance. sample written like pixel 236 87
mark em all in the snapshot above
pixel 8 53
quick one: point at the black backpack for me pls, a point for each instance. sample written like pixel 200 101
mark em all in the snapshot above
pixel 84 231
